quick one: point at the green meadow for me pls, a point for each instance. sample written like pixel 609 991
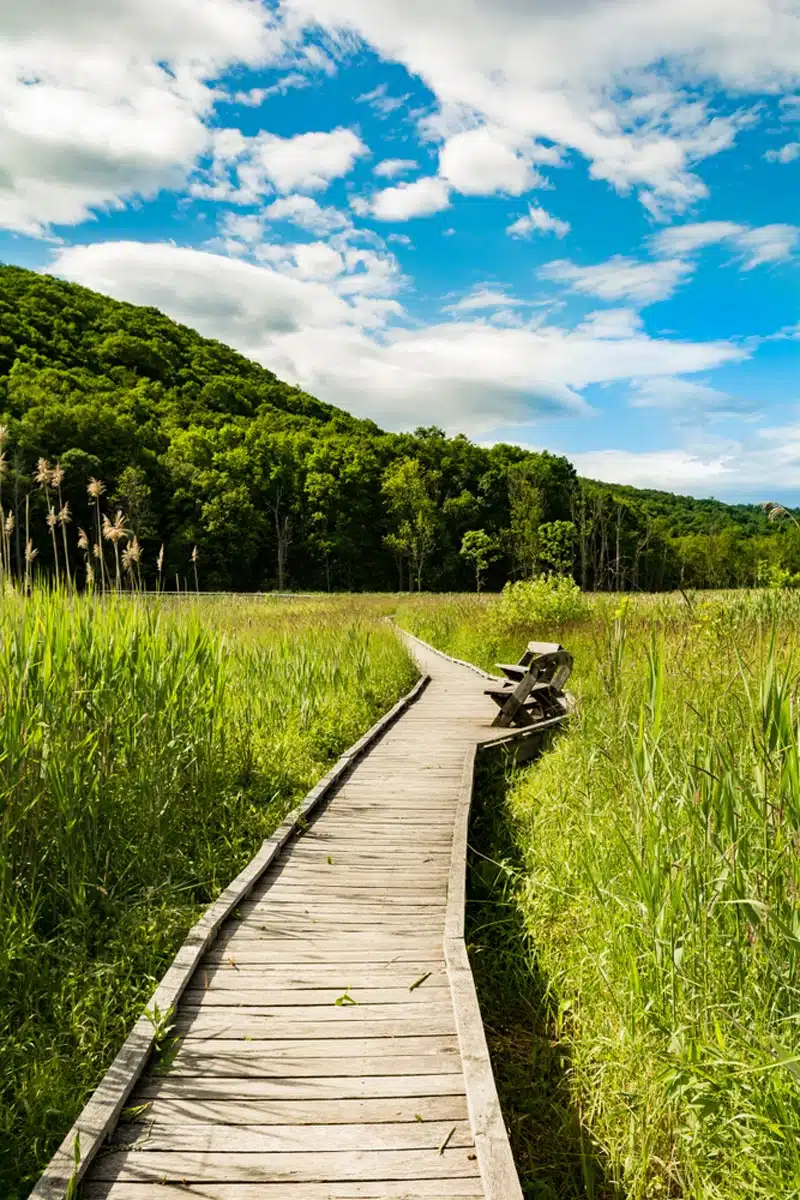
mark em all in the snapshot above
pixel 147 747
pixel 635 926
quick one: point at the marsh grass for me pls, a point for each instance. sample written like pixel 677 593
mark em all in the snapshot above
pixel 657 846
pixel 147 747
pixel 554 1152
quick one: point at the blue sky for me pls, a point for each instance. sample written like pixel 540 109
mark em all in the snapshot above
pixel 567 223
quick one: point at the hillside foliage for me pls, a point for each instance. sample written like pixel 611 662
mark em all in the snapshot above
pixel 198 446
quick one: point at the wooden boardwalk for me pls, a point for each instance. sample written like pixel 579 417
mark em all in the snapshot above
pixel 330 1041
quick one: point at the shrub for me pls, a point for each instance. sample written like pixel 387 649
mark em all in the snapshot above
pixel 547 600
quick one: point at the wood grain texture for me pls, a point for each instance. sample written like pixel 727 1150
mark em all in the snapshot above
pixel 328 1036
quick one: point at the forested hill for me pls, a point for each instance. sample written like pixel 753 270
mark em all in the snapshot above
pixel 199 447
pixel 682 515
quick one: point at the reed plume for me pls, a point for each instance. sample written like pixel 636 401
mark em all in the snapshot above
pixel 115 532
pixel 64 519
pixel 30 554
pixel 131 557
pixel 96 488
pixel 8 528
pixel 83 544
pixel 52 521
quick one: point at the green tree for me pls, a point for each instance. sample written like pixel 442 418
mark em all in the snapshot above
pixel 479 549
pixel 410 496
pixel 526 505
pixel 557 546
pixel 134 495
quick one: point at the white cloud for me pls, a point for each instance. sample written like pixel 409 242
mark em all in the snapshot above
pixel 418 199
pixel 686 395
pixel 620 278
pixel 768 244
pixel 243 169
pixel 464 374
pixel 664 470
pixel 104 102
pixel 537 220
pixel 612 323
pixel 390 167
pixel 317 260
pixel 244 228
pixel 480 162
pixel 765 467
pixel 306 213
pixel 381 102
pixel 786 154
pixel 256 96
pixel 683 239
pixel 350 270
pixel 483 299
pixel 615 80
pixel 764 244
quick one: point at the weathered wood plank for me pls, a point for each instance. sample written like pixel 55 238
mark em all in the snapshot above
pixel 255 1025
pixel 383 948
pixel 212 1138
pixel 155 1166
pixel 412 1189
pixel 291 997
pixel 272 1066
pixel 447 1082
pixel 195 1048
pixel 305 1112
pixel 371 972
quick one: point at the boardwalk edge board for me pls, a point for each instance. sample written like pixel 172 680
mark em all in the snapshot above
pixel 495 1159
pixel 459 662
pixel 101 1112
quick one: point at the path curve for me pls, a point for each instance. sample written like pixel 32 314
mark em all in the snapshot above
pixel 331 1043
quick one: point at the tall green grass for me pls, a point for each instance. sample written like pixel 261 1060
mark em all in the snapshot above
pixel 656 882
pixel 146 749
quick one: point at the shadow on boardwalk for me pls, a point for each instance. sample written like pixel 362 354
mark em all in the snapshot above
pixel 554 1155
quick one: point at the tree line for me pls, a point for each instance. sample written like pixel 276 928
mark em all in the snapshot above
pixel 214 469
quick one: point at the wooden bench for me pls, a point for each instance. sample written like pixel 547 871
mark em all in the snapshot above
pixel 535 688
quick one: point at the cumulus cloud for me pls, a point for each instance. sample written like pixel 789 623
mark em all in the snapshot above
pixel 786 154
pixel 306 213
pixel 349 269
pixel 620 278
pixel 343 342
pixel 390 167
pixel 480 162
pixel 103 102
pixel 612 323
pixel 418 199
pixel 537 220
pixel 627 100
pixel 243 169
